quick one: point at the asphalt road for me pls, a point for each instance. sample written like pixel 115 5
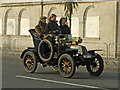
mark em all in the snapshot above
pixel 14 76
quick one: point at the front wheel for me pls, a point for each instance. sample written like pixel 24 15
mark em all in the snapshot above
pixel 96 67
pixel 66 65
pixel 30 62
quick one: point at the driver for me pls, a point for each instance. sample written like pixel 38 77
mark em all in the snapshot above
pixel 52 24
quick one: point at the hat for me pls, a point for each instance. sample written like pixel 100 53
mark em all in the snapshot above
pixel 43 17
pixel 64 17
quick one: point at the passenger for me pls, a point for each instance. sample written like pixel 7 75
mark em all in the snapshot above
pixel 63 27
pixel 52 24
pixel 41 32
pixel 41 27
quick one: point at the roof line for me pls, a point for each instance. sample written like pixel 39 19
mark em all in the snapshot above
pixel 45 3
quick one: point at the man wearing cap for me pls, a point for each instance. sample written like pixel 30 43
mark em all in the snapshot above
pixel 41 27
pixel 40 30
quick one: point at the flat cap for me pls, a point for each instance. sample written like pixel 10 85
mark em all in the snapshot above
pixel 43 17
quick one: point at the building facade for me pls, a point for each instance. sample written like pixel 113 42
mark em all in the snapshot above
pixel 97 23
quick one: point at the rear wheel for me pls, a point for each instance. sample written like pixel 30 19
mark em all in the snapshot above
pixel 66 65
pixel 30 62
pixel 97 66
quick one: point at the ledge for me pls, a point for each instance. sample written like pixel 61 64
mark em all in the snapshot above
pixel 85 38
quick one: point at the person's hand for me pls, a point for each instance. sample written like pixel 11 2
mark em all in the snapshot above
pixel 44 36
pixel 80 40
pixel 38 34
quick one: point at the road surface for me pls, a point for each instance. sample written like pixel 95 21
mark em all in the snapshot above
pixel 14 76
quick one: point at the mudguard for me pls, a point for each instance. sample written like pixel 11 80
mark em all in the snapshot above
pixel 32 50
pixel 28 49
pixel 93 51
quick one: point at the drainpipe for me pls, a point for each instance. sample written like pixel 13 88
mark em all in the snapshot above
pixel 117 21
pixel 41 8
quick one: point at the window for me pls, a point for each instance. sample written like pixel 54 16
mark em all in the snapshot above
pixel 0 26
pixel 25 26
pixel 92 27
pixel 10 26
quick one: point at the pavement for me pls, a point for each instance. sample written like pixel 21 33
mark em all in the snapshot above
pixel 14 76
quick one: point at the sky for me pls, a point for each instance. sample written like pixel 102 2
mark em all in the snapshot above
pixel 12 1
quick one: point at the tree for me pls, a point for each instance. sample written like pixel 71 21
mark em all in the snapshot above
pixel 69 6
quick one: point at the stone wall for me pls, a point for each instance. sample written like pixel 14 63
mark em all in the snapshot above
pixel 119 30
pixel 106 11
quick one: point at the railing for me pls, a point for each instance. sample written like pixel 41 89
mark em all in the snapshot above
pixel 6 44
pixel 14 45
pixel 116 51
pixel 21 44
pixel 104 48
pixel 18 45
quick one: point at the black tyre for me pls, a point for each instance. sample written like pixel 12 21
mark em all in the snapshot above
pixel 55 68
pixel 66 65
pixel 45 50
pixel 97 66
pixel 30 62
